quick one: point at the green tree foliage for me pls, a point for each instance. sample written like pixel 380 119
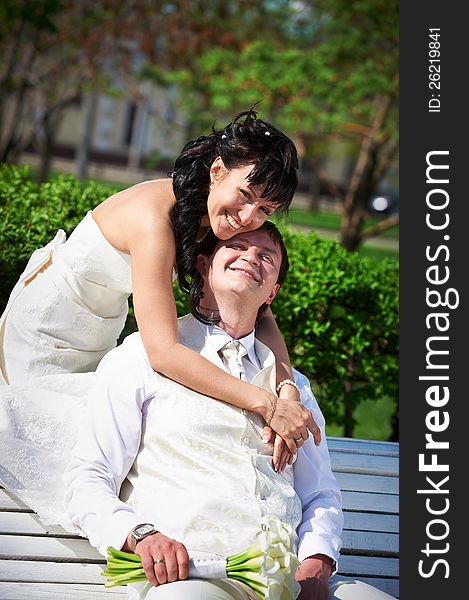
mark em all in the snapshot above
pixel 54 52
pixel 338 312
pixel 332 74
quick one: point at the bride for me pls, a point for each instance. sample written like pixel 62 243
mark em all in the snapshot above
pixel 70 304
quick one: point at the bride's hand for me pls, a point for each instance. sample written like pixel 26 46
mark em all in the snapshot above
pixel 282 455
pixel 293 422
pixel 288 392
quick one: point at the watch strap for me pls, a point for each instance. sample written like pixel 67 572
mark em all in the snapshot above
pixel 136 537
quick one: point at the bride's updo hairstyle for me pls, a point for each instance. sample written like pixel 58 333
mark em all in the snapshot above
pixel 246 140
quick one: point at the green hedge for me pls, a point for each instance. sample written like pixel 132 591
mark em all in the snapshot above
pixel 338 312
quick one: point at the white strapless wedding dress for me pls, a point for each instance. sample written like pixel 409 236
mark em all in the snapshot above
pixel 53 333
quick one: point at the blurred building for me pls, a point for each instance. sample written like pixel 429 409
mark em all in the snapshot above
pixel 143 131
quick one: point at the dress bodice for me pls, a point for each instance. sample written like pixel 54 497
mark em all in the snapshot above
pixel 68 308
pixel 88 254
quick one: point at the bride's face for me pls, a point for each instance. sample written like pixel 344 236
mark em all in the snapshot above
pixel 233 204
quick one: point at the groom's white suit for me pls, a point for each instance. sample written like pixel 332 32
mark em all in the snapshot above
pixel 153 451
pixel 195 467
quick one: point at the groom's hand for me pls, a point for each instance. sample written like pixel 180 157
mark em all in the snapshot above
pixel 164 560
pixel 313 575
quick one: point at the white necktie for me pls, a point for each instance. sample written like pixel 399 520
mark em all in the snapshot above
pixel 233 352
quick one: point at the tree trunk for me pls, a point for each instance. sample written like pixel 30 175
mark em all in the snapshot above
pixel 394 437
pixel 349 421
pixel 354 209
pixel 90 105
pixel 48 134
pixel 45 158
pixel 350 230
pixel 10 138
pixel 313 191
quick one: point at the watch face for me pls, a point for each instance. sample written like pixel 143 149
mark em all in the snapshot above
pixel 143 529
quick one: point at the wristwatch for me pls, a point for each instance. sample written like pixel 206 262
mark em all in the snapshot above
pixel 139 532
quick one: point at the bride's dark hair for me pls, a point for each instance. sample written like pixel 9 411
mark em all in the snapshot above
pixel 246 140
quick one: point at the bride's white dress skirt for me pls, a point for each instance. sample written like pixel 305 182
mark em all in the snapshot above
pixel 53 333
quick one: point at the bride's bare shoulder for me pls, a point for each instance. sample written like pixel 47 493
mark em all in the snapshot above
pixel 155 189
pixel 144 205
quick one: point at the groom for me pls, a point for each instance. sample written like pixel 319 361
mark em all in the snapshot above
pixel 159 468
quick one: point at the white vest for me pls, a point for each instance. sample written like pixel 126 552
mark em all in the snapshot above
pixel 203 475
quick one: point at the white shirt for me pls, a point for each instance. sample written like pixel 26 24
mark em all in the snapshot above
pixel 110 438
pixel 218 338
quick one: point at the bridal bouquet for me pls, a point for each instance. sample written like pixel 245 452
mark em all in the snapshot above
pixel 268 566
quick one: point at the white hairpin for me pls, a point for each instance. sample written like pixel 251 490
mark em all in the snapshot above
pixel 223 137
pixel 266 132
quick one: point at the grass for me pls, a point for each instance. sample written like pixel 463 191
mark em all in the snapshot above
pixel 329 220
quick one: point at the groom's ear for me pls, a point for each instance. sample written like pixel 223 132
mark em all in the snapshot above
pixel 272 294
pixel 201 264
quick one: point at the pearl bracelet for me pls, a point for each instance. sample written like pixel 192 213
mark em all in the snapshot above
pixel 285 382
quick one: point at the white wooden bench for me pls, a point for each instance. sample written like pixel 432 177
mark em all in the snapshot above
pixel 48 563
pixel 368 475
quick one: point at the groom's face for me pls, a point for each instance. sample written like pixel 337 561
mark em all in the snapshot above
pixel 247 265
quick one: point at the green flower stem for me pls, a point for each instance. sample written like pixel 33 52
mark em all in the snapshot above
pixel 125 556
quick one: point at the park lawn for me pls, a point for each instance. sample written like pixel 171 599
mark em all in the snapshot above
pixel 331 220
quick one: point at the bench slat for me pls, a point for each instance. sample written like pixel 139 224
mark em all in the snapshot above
pixel 10 502
pixel 356 445
pixel 370 542
pixel 375 503
pixel 50 572
pixel 22 547
pixel 371 522
pixel 374 566
pixel 365 464
pixel 387 503
pixel 54 591
pixel 355 482
pixel 29 524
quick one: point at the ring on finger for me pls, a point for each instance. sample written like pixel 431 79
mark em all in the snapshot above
pixel 298 439
pixel 159 561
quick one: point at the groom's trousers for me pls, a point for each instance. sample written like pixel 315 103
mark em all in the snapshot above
pixel 223 589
